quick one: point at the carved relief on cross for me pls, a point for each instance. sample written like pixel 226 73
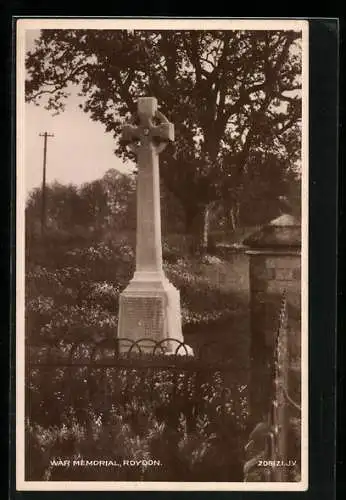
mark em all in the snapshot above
pixel 147 134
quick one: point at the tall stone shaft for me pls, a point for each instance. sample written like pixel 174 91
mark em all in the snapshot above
pixel 148 235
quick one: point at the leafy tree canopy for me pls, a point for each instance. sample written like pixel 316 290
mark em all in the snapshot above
pixel 233 96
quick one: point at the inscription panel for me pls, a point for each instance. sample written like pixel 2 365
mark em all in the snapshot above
pixel 143 317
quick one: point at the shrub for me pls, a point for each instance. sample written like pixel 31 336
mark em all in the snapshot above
pixel 72 297
pixel 202 301
pixel 197 435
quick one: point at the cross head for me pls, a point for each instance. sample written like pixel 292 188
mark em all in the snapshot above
pixel 147 133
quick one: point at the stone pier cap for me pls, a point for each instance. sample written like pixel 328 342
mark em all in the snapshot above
pixel 281 233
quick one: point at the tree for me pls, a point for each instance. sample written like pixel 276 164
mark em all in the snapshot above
pixel 63 207
pixel 232 95
pixel 106 203
pixel 120 190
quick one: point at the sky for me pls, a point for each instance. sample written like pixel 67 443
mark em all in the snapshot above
pixel 80 151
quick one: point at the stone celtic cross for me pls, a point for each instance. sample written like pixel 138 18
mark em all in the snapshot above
pixel 147 140
pixel 149 307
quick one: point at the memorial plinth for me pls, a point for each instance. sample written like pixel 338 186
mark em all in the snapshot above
pixel 149 307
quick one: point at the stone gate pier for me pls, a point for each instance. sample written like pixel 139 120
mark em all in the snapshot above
pixel 275 269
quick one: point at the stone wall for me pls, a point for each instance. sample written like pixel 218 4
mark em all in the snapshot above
pixel 230 272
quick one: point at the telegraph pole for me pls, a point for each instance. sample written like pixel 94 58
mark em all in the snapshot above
pixel 43 204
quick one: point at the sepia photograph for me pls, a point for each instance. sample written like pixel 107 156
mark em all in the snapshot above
pixel 162 254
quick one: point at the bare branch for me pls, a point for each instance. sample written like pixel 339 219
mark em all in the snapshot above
pixel 59 85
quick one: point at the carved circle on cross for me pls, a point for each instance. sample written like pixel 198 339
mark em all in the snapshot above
pixel 162 132
pixel 163 120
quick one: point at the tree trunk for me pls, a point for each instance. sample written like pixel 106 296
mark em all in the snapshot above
pixel 206 220
pixel 233 219
pixel 197 229
pixel 234 216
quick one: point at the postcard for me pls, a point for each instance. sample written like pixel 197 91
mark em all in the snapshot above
pixel 162 254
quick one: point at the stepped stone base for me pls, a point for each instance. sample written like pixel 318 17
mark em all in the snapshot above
pixel 149 310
